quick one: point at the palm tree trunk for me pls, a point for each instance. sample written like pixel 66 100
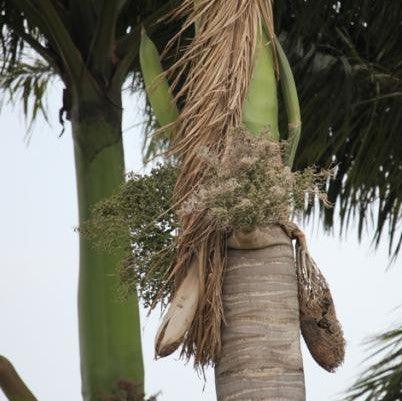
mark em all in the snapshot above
pixel 109 329
pixel 260 356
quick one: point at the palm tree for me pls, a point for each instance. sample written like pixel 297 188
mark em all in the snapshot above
pixel 92 47
pixel 254 288
pixel 346 62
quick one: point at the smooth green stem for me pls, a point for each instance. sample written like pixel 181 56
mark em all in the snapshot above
pixel 291 100
pixel 159 93
pixel 260 109
pixel 11 383
pixel 109 328
pixel 67 49
pixel 104 37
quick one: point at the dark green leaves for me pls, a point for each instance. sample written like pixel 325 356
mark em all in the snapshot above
pixel 27 82
pixel 382 381
pixel 348 68
pixel 348 65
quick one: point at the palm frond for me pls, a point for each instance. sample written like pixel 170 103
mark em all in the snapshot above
pixel 383 379
pixel 17 34
pixel 26 82
pixel 12 44
pixel 348 68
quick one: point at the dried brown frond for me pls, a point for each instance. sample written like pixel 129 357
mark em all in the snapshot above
pixel 319 324
pixel 216 68
pixel 322 331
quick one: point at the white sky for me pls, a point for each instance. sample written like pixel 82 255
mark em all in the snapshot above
pixel 39 262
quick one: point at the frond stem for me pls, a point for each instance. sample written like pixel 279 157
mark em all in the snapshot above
pixel 11 383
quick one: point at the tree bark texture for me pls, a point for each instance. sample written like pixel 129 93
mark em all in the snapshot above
pixel 260 357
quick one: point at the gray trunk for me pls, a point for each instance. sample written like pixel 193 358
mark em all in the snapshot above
pixel 261 357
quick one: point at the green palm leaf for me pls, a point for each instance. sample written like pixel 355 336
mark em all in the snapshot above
pixel 383 379
pixel 348 68
pixel 27 82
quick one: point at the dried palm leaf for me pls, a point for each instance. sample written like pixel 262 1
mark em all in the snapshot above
pixel 217 65
pixel 319 325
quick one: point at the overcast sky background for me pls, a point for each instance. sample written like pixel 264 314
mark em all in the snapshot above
pixel 39 270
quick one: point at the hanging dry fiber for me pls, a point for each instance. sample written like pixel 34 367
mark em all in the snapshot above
pixel 319 325
pixel 223 48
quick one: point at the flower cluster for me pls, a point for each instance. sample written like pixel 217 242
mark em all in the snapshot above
pixel 250 186
pixel 247 187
